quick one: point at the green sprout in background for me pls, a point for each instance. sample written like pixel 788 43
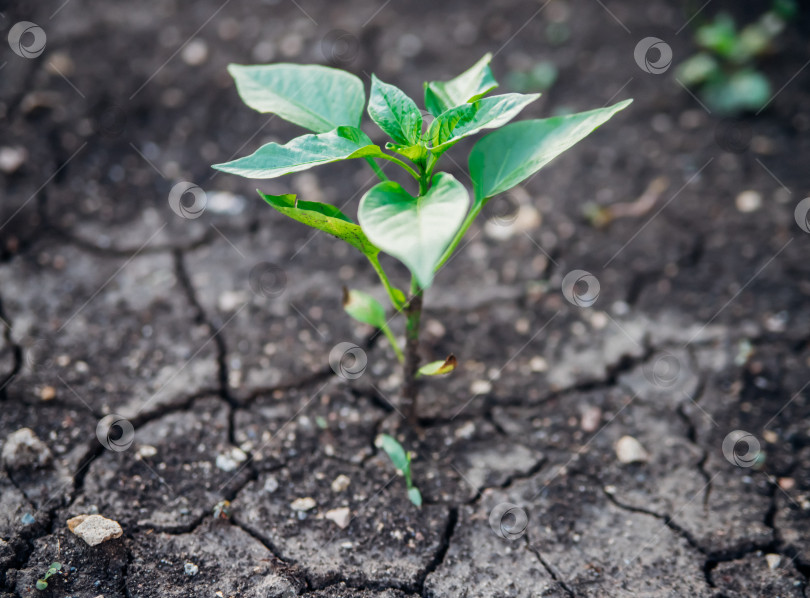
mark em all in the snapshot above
pixel 724 72
pixel 402 463
pixel 54 569
pixel 422 222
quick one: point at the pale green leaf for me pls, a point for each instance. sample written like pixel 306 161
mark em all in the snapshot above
pixel 315 97
pixel 324 217
pixel 395 452
pixel 415 230
pixel 394 112
pixel 469 119
pixel 437 368
pixel 415 496
pixel 364 308
pixel 274 160
pixel 512 154
pixel 472 84
pixel 416 153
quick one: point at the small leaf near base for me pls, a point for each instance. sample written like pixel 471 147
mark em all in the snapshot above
pixel 437 368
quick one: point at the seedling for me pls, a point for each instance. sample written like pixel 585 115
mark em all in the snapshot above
pixel 402 461
pixel 421 223
pixel 54 569
pixel 724 72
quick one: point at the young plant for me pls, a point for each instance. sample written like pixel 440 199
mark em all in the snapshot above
pixel 402 462
pixel 724 72
pixel 421 223
pixel 54 569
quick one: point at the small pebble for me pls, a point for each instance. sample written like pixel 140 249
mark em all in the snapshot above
pixel 465 431
pixel 195 53
pixel 480 387
pixel 231 460
pixel 47 393
pixel 748 201
pixel 24 450
pixel 591 418
pixel 341 516
pixel 629 450
pixel 787 483
pixel 340 483
pixel 11 158
pixel 146 451
pixel 28 519
pixel 774 560
pixel 94 529
pixel 303 504
pixel 191 569
pixel 270 485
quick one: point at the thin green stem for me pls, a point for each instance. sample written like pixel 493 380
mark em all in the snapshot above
pixel 476 209
pixel 376 168
pixel 407 168
pixel 393 340
pixel 395 295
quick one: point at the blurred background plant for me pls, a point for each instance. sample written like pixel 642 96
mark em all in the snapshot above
pixel 724 72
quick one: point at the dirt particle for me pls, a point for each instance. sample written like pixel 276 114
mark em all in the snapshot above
pixel 341 516
pixel 94 529
pixel 629 450
pixel 195 53
pixel 340 483
pixel 24 450
pixel 748 201
pixel 303 504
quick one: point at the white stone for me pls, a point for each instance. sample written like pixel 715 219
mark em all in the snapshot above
pixel 774 560
pixel 303 504
pixel 23 449
pixel 629 450
pixel 95 529
pixel 340 483
pixel 231 460
pixel 195 53
pixel 342 516
pixel 748 201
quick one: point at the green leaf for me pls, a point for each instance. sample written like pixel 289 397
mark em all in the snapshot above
pixel 364 308
pixel 472 84
pixel 273 160
pixel 697 69
pixel 56 566
pixel 395 452
pixel 512 154
pixel 469 119
pixel 394 112
pixel 437 368
pixel 416 153
pixel 41 584
pixel 415 496
pixel 315 97
pixel 323 217
pixel 744 90
pixel 720 36
pixel 415 230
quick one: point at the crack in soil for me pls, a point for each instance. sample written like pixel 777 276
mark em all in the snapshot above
pixel 549 569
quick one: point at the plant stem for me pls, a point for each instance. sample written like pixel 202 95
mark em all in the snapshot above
pixel 377 170
pixel 393 340
pixel 413 312
pixel 476 209
pixel 396 301
pixel 402 164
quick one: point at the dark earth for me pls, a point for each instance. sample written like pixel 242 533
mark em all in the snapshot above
pixel 112 303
